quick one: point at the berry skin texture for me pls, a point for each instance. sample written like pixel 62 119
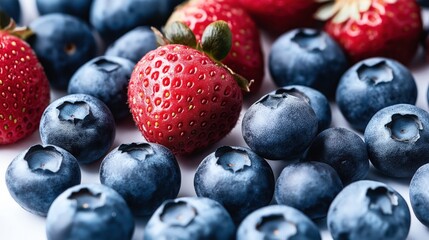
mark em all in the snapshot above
pixel 397 139
pixel 277 220
pixel 419 196
pixel 237 178
pixel 39 175
pixel 89 211
pixel 77 8
pixel 24 89
pixel 181 99
pixel 369 210
pixel 145 174
pixel 245 57
pixel 391 30
pixel 190 218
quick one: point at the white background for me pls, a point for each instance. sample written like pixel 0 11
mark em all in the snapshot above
pixel 17 224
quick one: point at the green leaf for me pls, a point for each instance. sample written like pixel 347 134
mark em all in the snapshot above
pixel 217 40
pixel 179 33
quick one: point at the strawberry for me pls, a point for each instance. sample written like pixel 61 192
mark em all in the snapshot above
pixel 370 28
pixel 24 88
pixel 181 96
pixel 246 56
pixel 277 17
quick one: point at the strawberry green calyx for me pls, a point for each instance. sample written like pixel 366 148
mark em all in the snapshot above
pixel 7 24
pixel 216 42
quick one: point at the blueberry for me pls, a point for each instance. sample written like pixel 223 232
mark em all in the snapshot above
pixel 397 139
pixel 112 19
pixel 419 196
pixel 62 43
pixel 105 78
pixel 81 124
pixel 423 3
pixel 318 102
pixel 297 51
pixel 237 178
pixel 190 218
pixel 145 174
pixel 12 8
pixel 277 222
pixel 309 187
pixel 369 210
pixel 89 211
pixel 343 150
pixel 371 85
pixel 77 8
pixel 39 174
pixel 134 44
pixel 279 126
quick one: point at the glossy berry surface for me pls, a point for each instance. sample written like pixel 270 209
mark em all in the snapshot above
pixel 237 178
pixel 378 212
pixel 145 174
pixel 81 124
pixel 190 218
pixel 419 196
pixel 181 99
pixel 24 89
pixel 309 187
pixel 245 57
pixel 133 45
pixel 89 211
pixel 62 43
pixel 371 85
pixel 105 78
pixel 39 174
pixel 279 126
pixel 277 220
pixel 318 102
pixel 77 8
pixel 397 138
pixel 295 52
pixel 343 150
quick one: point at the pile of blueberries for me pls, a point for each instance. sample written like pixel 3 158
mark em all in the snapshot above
pixel 238 195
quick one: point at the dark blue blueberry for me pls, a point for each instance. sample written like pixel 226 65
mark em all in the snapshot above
pixel 318 102
pixel 190 218
pixel 105 78
pixel 237 178
pixel 307 57
pixel 371 85
pixel 343 150
pixel 369 210
pixel 423 3
pixel 112 19
pixel 89 211
pixel 145 174
pixel 77 8
pixel 39 174
pixel 397 140
pixel 309 187
pixel 279 126
pixel 134 44
pixel 419 196
pixel 62 43
pixel 12 8
pixel 81 124
pixel 277 222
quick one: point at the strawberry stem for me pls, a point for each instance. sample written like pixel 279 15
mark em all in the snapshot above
pixel 216 40
pixel 7 24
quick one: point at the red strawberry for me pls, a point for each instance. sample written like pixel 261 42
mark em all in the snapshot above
pixel 279 16
pixel 24 88
pixel 246 56
pixel 179 96
pixel 370 28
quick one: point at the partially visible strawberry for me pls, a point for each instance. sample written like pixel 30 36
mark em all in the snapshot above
pixel 279 16
pixel 24 88
pixel 182 97
pixel 246 56
pixel 370 28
